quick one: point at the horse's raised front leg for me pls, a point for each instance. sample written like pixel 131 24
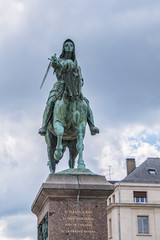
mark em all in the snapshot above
pixel 59 130
pixel 80 146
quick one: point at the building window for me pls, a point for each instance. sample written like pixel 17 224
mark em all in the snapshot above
pixel 109 200
pixel 140 197
pixel 110 227
pixel 152 171
pixel 143 227
pixel 113 198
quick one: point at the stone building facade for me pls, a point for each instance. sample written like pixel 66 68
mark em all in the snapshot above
pixel 133 209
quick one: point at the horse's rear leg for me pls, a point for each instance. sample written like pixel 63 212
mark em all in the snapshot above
pixel 72 153
pixel 80 147
pixel 51 162
pixel 59 130
pixel 51 145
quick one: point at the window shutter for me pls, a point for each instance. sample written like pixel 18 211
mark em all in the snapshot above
pixel 140 194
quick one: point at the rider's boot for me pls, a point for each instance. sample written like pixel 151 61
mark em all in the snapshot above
pixel 46 118
pixel 94 130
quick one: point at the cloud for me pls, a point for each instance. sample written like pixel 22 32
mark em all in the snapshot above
pixel 115 50
pixel 18 227
pixel 138 141
pixel 13 17
pixel 117 45
pixel 23 162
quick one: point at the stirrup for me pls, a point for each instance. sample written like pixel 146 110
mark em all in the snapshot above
pixel 42 131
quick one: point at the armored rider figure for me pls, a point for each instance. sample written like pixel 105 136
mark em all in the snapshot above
pixel 64 64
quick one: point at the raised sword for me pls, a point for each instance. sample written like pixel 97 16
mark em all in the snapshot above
pixel 48 68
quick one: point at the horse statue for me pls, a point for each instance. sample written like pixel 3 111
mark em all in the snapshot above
pixel 67 112
pixel 68 124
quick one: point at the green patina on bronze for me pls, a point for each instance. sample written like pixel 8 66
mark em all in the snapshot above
pixel 43 228
pixel 77 171
pixel 67 111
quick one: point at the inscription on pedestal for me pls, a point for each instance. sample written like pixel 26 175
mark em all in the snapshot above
pixel 83 221
pixel 78 222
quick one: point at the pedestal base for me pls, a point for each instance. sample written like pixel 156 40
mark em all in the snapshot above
pixel 70 207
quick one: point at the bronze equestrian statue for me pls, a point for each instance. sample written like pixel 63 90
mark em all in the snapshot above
pixel 67 111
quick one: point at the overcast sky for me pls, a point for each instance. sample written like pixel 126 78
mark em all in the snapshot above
pixel 118 49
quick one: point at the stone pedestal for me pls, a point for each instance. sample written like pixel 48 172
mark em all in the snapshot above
pixel 70 207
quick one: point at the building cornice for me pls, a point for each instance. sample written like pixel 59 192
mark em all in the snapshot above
pixel 146 185
pixel 132 205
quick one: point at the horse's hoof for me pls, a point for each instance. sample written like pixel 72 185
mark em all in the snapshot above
pixel 58 155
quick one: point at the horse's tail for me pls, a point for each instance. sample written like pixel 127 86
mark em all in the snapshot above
pixel 76 117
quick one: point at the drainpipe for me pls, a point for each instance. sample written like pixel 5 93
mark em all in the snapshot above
pixel 119 219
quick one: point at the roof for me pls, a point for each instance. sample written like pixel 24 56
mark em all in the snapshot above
pixel 147 172
pixel 113 181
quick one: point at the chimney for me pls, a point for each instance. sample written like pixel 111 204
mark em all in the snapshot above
pixel 131 165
